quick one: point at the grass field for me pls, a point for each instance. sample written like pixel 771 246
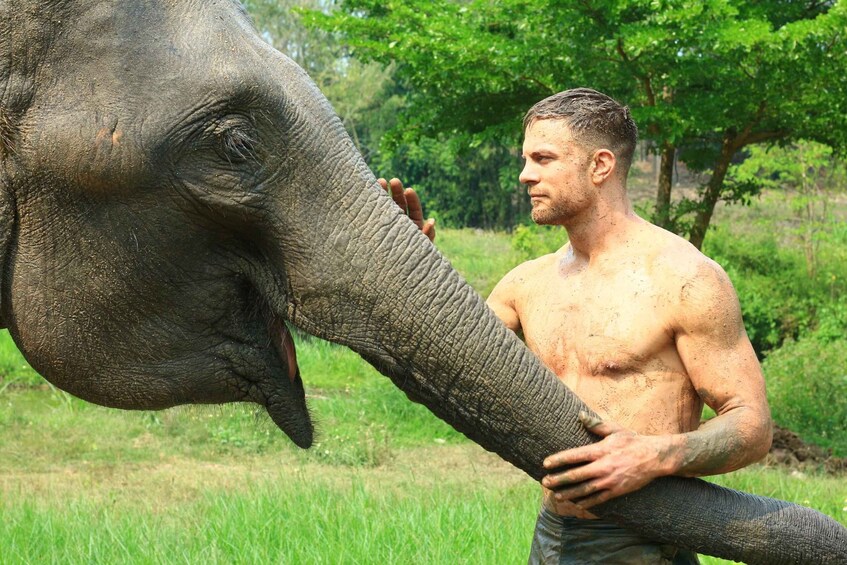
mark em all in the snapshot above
pixel 386 482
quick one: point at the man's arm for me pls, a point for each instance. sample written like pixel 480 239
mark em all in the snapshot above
pixel 502 300
pixel 723 368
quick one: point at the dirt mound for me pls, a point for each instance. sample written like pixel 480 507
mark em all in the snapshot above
pixel 789 450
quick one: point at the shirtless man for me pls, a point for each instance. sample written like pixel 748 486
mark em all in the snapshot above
pixel 637 322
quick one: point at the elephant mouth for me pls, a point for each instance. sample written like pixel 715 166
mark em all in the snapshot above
pixel 284 343
pixel 285 400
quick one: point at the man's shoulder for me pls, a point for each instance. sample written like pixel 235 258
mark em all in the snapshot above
pixel 534 267
pixel 677 261
pixel 697 286
pixel 525 276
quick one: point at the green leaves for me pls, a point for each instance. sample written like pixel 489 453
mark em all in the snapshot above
pixel 714 62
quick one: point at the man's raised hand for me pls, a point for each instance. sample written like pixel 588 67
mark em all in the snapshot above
pixel 409 202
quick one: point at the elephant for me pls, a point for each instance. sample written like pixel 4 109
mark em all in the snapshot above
pixel 174 193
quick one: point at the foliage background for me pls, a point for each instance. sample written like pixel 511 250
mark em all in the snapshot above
pixel 705 81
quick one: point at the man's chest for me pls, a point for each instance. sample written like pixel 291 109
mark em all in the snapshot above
pixel 598 325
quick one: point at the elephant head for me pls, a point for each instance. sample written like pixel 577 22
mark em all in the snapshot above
pixel 173 192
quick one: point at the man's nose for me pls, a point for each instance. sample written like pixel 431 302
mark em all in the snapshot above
pixel 527 175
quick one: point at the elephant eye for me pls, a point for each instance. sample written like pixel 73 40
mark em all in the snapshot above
pixel 239 145
pixel 236 141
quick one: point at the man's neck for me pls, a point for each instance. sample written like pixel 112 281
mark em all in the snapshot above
pixel 600 228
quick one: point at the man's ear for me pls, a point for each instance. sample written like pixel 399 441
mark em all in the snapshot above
pixel 603 165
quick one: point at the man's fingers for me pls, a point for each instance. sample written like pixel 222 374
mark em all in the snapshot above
pixel 395 187
pixel 564 480
pixel 593 500
pixel 397 193
pixel 429 229
pixel 414 204
pixel 575 476
pixel 570 457
pixel 408 201
pixel 416 214
pixel 578 490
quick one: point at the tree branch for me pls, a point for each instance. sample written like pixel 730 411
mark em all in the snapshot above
pixel 740 140
pixel 643 77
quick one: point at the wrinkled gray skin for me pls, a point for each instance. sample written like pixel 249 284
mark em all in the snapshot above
pixel 173 191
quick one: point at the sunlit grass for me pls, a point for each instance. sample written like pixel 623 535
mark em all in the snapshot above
pixel 386 481
pixel 482 257
pixel 297 520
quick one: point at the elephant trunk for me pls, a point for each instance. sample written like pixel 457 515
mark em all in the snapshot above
pixel 713 520
pixel 375 284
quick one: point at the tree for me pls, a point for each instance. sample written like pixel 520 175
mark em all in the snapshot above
pixel 468 182
pixel 704 80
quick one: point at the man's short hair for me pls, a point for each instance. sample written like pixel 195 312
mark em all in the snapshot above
pixel 595 120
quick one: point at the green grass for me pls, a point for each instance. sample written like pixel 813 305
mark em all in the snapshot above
pixel 170 487
pixel 326 366
pixel 482 257
pixel 386 483
pixel 301 520
pixel 217 484
pixel 304 521
pixel 13 367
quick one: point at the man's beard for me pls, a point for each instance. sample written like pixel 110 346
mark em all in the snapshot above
pixel 545 215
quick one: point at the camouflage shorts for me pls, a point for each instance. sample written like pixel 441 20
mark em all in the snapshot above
pixel 561 540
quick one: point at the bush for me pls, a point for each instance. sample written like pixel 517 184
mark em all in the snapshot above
pixel 807 389
pixel 832 320
pixel 777 297
pixel 532 241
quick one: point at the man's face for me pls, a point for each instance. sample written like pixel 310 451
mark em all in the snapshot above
pixel 556 172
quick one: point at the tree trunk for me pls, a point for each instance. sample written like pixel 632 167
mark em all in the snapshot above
pixel 712 194
pixel 662 216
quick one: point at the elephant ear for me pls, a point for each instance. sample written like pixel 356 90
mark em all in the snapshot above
pixel 7 210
